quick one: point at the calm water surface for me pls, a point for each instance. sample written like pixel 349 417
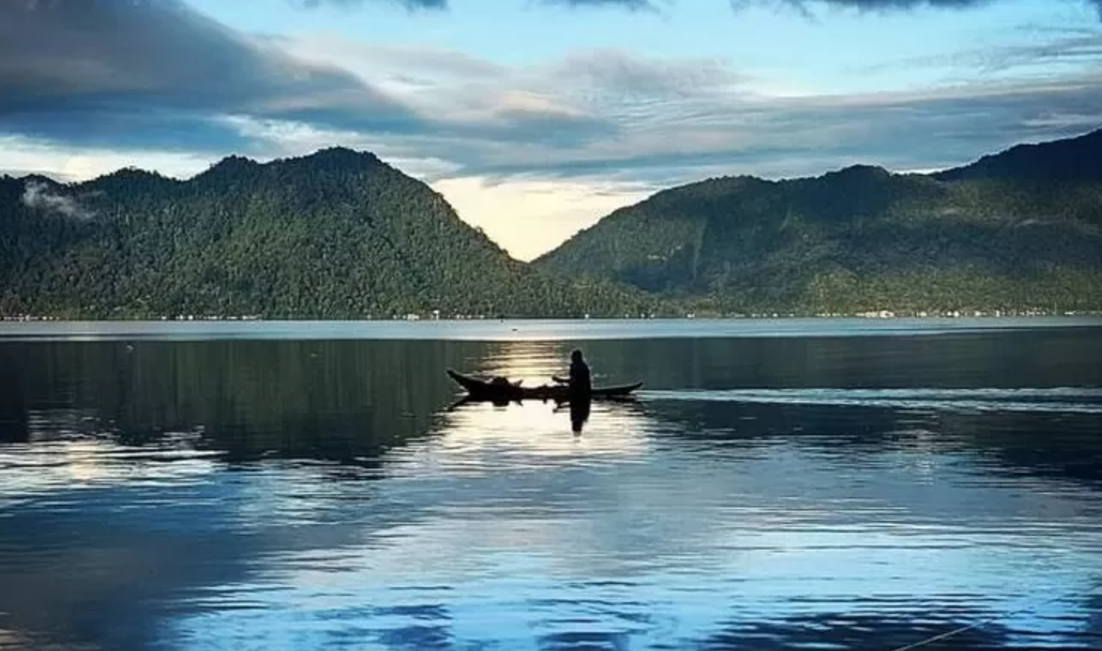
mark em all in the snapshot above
pixel 834 484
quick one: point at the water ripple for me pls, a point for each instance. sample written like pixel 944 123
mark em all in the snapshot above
pixel 1081 400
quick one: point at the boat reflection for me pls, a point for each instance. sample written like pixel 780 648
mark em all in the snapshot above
pixel 579 409
pixel 538 429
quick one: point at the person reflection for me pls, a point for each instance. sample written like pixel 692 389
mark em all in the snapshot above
pixel 579 413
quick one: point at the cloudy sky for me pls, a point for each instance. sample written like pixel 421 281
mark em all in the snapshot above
pixel 536 117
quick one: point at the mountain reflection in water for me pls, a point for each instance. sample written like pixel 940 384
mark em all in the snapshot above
pixel 806 492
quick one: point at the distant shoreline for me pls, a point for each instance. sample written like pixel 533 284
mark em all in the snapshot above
pixel 881 316
pixel 522 330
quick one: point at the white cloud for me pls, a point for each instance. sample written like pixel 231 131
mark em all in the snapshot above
pixel 41 196
pixel 631 117
pixel 30 156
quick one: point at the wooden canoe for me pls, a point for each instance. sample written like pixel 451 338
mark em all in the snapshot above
pixel 501 390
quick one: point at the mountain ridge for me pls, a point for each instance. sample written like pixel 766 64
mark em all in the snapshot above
pixel 1002 232
pixel 340 233
pixel 334 234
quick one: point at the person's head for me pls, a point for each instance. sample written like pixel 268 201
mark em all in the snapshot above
pixel 576 356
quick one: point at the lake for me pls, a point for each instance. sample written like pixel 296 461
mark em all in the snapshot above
pixel 778 484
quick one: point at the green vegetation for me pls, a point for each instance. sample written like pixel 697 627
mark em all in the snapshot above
pixel 340 234
pixel 1018 231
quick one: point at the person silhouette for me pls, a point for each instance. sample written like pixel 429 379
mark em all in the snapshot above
pixel 580 378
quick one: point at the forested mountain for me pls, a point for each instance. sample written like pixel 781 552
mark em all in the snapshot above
pixel 1017 230
pixel 336 234
pixel 340 234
